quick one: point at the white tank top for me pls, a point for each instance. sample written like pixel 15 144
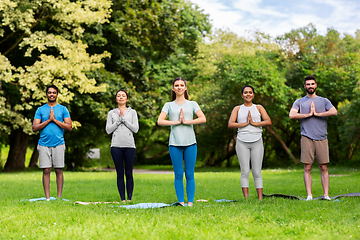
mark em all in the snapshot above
pixel 249 133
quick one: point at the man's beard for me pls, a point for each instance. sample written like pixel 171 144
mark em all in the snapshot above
pixel 311 90
pixel 52 100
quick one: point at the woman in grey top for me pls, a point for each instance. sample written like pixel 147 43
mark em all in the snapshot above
pixel 249 145
pixel 122 122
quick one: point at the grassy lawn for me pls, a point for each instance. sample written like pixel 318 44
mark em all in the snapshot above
pixel 273 218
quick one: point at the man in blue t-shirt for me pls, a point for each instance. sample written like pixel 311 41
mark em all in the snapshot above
pixel 51 119
pixel 312 111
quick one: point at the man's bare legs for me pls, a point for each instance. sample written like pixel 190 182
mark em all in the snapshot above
pixel 46 182
pixel 324 178
pixel 307 178
pixel 59 181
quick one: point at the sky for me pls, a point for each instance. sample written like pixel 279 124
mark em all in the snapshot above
pixel 276 17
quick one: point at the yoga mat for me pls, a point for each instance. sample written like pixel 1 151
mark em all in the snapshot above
pixel 317 198
pixel 146 205
pixel 162 205
pixel 41 199
pixel 150 205
pixel 88 203
pixel 224 200
pixel 134 206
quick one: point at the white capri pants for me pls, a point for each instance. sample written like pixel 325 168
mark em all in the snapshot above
pixel 254 152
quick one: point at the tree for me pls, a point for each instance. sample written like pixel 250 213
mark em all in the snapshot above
pixel 41 44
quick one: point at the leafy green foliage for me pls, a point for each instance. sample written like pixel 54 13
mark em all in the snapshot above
pixel 41 45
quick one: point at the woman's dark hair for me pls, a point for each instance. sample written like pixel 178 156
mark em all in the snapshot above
pixel 173 94
pixel 122 90
pixel 52 86
pixel 242 90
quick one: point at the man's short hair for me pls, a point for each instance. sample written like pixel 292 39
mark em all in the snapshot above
pixel 309 77
pixel 52 86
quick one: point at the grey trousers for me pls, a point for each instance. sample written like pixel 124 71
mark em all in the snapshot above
pixel 253 152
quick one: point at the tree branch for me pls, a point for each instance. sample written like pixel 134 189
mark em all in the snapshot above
pixel 296 161
pixel 23 35
pixel 15 44
pixel 7 37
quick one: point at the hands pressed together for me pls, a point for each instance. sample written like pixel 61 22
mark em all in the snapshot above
pixel 67 124
pixel 52 115
pixel 313 110
pixel 182 118
pixel 200 119
pixel 249 120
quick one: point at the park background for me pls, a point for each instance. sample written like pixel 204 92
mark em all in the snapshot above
pixel 92 49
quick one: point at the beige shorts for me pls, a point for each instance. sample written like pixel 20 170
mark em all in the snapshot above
pixel 51 156
pixel 311 149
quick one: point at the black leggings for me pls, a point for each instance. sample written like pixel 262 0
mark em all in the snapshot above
pixel 121 156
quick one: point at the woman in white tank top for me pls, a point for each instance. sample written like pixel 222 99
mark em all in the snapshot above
pixel 249 145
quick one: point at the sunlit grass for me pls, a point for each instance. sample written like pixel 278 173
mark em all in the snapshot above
pixel 274 218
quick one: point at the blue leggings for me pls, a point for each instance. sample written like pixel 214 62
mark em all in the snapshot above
pixel 188 154
pixel 121 156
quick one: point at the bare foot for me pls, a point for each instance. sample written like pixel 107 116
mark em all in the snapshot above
pixel 190 204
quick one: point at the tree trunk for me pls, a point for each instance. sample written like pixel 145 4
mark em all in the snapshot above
pixel 230 150
pixel 18 145
pixel 287 150
pixel 34 157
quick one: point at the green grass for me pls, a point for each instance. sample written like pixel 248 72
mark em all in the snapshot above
pixel 273 218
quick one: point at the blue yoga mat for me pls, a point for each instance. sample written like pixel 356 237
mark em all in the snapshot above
pixel 224 200
pixel 41 199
